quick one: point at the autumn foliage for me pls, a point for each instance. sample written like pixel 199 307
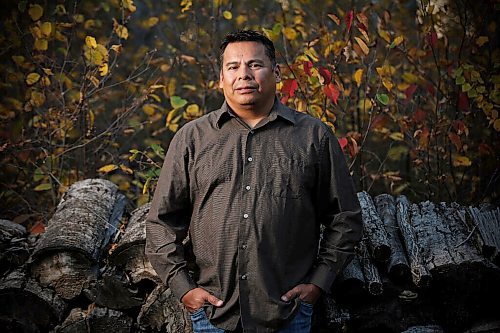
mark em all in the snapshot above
pixel 99 87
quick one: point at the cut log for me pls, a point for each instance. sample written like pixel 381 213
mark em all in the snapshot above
pixel 163 312
pixel 129 253
pixel 373 229
pixel 486 221
pixel 25 306
pixel 420 274
pixel 370 271
pixel 67 254
pixel 95 320
pixel 114 290
pixel 424 329
pixel 14 246
pixel 397 265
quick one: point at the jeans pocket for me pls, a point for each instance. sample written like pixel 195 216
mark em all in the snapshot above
pixel 306 308
pixel 197 314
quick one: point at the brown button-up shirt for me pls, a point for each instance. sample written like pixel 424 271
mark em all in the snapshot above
pixel 252 201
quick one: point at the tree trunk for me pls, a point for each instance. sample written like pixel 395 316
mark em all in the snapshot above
pixel 67 254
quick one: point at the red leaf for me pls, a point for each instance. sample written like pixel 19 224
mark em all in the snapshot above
pixel 37 228
pixel 410 91
pixel 463 102
pixel 455 139
pixel 361 26
pixel 460 127
pixel 342 142
pixel 332 92
pixel 379 122
pixel 325 73
pixel 431 90
pixel 307 67
pixel 289 87
pixel 348 20
pixel 419 116
pixel 432 38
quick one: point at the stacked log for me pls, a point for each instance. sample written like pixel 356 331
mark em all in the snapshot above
pixel 421 267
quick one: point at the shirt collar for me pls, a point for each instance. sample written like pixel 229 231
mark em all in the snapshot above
pixel 278 110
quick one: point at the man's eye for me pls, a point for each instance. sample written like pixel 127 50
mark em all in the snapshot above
pixel 231 67
pixel 255 65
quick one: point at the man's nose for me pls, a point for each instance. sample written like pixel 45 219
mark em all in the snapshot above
pixel 244 73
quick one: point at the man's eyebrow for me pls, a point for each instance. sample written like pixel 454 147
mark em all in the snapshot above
pixel 251 61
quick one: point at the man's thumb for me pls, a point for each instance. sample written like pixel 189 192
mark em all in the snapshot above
pixel 214 300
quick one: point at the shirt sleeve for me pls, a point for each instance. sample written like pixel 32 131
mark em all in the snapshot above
pixel 338 210
pixel 167 223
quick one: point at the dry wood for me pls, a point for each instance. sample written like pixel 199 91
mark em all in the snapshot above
pixel 420 274
pixel 67 254
pixel 486 220
pixel 424 329
pixel 25 306
pixel 373 229
pixel 14 245
pixel 163 312
pixel 95 320
pixel 397 265
pixel 370 271
pixel 129 253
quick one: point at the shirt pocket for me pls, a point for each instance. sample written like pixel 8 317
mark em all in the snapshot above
pixel 290 178
pixel 208 176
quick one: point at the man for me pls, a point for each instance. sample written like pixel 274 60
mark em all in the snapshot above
pixel 250 184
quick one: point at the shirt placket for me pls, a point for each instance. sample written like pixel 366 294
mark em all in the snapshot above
pixel 246 220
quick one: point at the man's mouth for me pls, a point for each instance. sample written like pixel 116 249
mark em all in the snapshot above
pixel 246 89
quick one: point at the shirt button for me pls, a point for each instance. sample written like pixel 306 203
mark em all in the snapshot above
pixel 247 187
pixel 244 246
pixel 244 277
pixel 250 159
pixel 245 216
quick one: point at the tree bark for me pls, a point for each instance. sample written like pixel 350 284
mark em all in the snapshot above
pixel 26 306
pixel 14 246
pixel 397 265
pixel 95 320
pixel 373 229
pixel 486 224
pixel 420 274
pixel 67 254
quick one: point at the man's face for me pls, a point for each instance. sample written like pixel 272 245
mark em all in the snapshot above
pixel 247 77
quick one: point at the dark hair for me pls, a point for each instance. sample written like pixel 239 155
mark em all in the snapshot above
pixel 248 36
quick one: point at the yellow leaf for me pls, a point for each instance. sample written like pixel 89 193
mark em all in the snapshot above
pixel 362 45
pixel 90 42
pixel 108 168
pixel 126 169
pixel 45 81
pixel 192 112
pixel 409 77
pixel 481 40
pixel 398 40
pixel 94 81
pixel 149 109
pixel 48 71
pixel 35 12
pixel 152 21
pixel 129 4
pixel 117 48
pixel 365 104
pixel 387 84
pixel 46 28
pixel 461 161
pixel 41 44
pixel 121 31
pixel 358 75
pixel 403 86
pixel 32 78
pixel 290 33
pixel 496 125
pixel 186 5
pixel 103 69
pixel 37 98
pixel 397 136
pixel 227 15
pixel 43 187
pixel 385 35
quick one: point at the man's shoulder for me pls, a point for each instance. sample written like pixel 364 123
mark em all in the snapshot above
pixel 206 122
pixel 305 120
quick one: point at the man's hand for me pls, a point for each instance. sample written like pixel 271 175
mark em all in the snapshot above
pixel 308 293
pixel 197 297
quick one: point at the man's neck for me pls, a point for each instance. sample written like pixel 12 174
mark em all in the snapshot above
pixel 252 115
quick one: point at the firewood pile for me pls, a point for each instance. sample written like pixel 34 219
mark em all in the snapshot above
pixel 421 267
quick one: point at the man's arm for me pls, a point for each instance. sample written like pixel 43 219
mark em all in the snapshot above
pixel 338 211
pixel 167 223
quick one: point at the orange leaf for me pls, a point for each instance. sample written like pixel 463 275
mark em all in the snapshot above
pixel 332 92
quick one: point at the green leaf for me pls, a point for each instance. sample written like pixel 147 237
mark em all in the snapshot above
pixel 39 175
pixel 43 187
pixel 177 102
pixel 158 150
pixel 382 99
pixel 460 80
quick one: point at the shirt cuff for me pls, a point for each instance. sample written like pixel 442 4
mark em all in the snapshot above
pixel 323 277
pixel 180 284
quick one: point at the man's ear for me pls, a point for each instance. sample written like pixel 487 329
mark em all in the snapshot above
pixel 277 73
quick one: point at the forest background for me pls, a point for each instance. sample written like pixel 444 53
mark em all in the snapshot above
pixel 98 88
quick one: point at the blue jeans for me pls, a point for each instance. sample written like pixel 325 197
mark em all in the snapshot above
pixel 300 324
